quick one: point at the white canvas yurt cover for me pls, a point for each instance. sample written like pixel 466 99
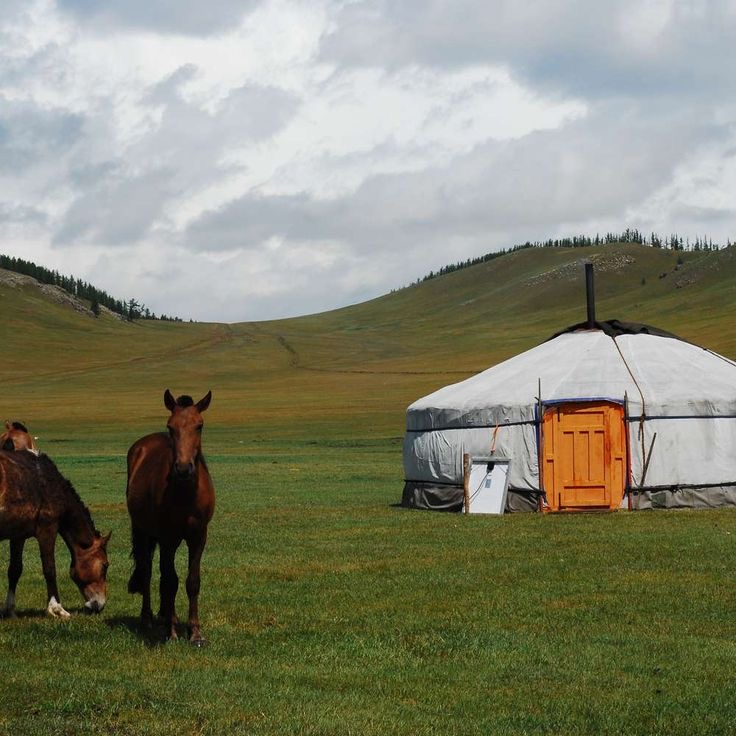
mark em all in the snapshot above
pixel 617 416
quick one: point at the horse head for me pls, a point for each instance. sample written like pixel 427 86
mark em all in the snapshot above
pixel 16 437
pixel 89 571
pixel 185 429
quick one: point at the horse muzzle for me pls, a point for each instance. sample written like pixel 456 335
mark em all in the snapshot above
pixel 95 605
pixel 184 470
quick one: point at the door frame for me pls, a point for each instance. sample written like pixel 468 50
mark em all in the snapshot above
pixel 618 477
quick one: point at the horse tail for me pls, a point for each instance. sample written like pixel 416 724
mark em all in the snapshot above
pixel 141 552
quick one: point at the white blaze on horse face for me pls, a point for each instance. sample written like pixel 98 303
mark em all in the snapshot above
pixel 95 603
pixel 56 610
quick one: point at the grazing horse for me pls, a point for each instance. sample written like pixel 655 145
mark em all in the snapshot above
pixel 17 437
pixel 170 499
pixel 37 501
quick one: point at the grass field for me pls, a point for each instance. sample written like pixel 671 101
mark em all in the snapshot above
pixel 328 609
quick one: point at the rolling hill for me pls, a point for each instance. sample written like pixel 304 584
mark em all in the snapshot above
pixel 353 369
pixel 330 611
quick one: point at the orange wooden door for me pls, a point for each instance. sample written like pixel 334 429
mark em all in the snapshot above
pixel 584 453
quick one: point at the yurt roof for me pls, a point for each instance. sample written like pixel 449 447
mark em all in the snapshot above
pixel 660 375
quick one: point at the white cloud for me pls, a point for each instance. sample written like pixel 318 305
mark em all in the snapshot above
pixel 165 16
pixel 303 155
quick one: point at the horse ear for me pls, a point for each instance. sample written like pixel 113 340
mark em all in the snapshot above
pixel 102 540
pixel 204 402
pixel 7 424
pixel 169 400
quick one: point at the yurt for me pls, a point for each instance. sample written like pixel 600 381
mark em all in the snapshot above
pixel 604 415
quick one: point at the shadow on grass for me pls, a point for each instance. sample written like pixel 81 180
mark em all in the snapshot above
pixel 42 613
pixel 151 636
pixel 25 613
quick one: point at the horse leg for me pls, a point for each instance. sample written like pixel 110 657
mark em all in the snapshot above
pixel 140 579
pixel 196 548
pixel 46 543
pixel 15 568
pixel 168 586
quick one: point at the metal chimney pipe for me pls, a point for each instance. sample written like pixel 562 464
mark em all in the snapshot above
pixel 590 294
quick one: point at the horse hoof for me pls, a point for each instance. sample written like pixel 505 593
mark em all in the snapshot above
pixel 56 610
pixel 199 642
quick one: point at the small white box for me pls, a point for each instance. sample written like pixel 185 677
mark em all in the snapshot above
pixel 487 484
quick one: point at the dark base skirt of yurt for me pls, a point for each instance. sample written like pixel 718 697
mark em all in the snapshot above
pixel 449 497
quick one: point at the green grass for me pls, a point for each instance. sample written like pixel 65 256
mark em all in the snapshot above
pixel 328 609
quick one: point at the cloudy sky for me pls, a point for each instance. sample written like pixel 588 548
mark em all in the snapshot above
pixel 249 159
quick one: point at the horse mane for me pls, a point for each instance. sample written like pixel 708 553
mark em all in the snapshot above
pixel 19 425
pixel 184 401
pixel 54 482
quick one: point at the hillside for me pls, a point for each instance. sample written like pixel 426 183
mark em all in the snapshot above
pixel 352 369
pixel 329 610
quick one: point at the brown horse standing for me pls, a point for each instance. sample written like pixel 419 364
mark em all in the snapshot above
pixel 170 499
pixel 37 501
pixel 17 437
